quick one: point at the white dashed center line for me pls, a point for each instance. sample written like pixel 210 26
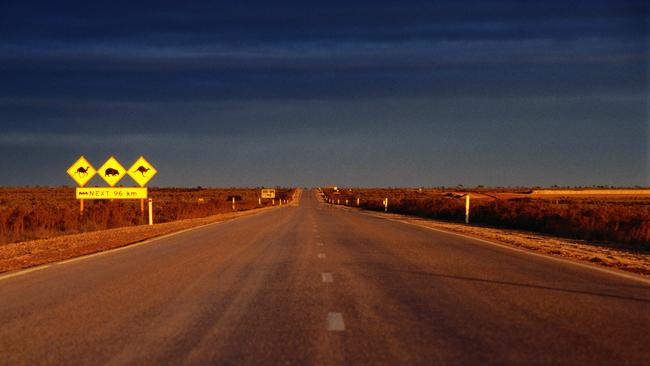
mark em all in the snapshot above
pixel 320 243
pixel 327 277
pixel 335 322
pixel 321 255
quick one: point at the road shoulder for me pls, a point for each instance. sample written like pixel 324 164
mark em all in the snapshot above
pixel 620 258
pixel 30 254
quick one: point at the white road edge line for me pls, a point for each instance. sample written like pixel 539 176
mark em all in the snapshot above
pixel 562 260
pixel 335 322
pixel 327 277
pixel 109 251
pixel 25 271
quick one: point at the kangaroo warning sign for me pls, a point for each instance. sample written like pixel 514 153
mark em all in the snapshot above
pixel 112 171
pixel 81 171
pixel 141 171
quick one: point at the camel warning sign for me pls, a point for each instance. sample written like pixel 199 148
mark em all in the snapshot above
pixel 141 171
pixel 112 171
pixel 81 171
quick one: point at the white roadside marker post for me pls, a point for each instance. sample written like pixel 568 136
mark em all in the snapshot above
pixel 259 201
pixel 346 202
pixel 150 211
pixel 233 203
pixel 357 201
pixel 386 204
pixel 467 209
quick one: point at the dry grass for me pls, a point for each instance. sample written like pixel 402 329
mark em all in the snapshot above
pixel 38 213
pixel 624 219
pixel 17 256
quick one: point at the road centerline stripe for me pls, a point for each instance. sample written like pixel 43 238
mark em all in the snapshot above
pixel 321 255
pixel 335 322
pixel 327 277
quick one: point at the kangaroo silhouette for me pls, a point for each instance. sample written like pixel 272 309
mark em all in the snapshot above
pixel 142 170
pixel 111 172
pixel 82 172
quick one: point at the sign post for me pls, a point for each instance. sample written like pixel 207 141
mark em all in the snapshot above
pixel 81 172
pixel 141 172
pixel 112 172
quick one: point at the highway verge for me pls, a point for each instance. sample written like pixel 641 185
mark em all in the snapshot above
pixel 16 256
pixel 628 258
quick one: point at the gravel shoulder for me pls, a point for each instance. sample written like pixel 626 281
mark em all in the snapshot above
pixel 612 255
pixel 27 254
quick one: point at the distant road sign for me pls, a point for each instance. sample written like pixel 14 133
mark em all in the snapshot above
pixel 141 171
pixel 81 171
pixel 106 193
pixel 112 171
pixel 268 193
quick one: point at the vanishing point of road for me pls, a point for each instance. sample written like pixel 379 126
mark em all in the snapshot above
pixel 312 284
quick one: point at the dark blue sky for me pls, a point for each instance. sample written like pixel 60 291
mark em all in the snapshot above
pixel 403 93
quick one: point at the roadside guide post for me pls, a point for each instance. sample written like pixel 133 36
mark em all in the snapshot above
pixel 233 203
pixel 467 209
pixel 346 202
pixel 150 211
pixel 386 204
pixel 357 201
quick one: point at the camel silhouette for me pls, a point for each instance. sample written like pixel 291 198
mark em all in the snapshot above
pixel 82 172
pixel 142 170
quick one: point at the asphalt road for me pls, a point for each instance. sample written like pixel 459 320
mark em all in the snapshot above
pixel 312 284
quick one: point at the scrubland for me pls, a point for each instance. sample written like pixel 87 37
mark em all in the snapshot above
pixel 617 218
pixel 28 213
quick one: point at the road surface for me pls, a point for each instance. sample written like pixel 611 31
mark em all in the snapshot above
pixel 312 284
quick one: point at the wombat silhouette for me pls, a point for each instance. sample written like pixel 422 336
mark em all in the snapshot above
pixel 110 172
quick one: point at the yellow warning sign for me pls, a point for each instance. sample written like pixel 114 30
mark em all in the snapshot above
pixel 112 171
pixel 111 193
pixel 81 171
pixel 141 171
